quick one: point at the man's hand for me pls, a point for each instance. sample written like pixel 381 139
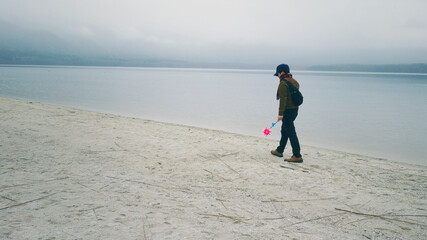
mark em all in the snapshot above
pixel 279 118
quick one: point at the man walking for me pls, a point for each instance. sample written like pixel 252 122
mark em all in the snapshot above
pixel 288 112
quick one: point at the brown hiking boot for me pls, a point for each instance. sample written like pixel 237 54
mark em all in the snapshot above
pixel 294 159
pixel 276 153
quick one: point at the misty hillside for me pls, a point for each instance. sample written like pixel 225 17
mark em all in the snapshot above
pixel 28 47
pixel 15 38
pixel 24 46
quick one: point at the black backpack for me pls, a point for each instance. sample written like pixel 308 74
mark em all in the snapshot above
pixel 296 95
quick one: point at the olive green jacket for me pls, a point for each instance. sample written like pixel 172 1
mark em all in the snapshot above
pixel 285 95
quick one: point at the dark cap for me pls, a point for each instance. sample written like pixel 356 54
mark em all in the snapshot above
pixel 282 68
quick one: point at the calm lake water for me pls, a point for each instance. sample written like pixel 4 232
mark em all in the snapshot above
pixel 374 114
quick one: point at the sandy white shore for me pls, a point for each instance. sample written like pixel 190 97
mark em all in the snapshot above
pixel 73 174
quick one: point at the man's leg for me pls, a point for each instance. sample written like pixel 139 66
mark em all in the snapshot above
pixel 284 138
pixel 292 135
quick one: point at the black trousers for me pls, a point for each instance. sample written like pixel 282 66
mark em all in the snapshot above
pixel 288 132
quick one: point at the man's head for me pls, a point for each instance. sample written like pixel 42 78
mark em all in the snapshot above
pixel 282 68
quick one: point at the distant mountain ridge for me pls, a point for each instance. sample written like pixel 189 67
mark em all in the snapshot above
pixel 395 68
pixel 23 46
pixel 15 38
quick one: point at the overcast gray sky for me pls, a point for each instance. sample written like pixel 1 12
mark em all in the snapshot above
pixel 251 31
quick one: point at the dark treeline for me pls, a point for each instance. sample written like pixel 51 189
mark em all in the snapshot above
pixel 46 58
pixel 402 68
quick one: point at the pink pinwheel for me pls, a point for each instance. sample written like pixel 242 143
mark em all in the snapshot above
pixel 267 132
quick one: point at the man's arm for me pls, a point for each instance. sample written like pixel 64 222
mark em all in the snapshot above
pixel 283 94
